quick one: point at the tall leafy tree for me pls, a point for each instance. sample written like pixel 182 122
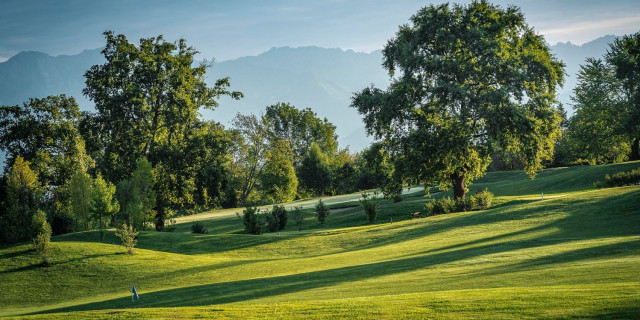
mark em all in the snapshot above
pixel 23 198
pixel 624 56
pixel 44 132
pixel 596 131
pixel 300 128
pixel 80 187
pixel 250 145
pixel 103 205
pixel 464 77
pixel 314 172
pixel 278 180
pixel 137 197
pixel 148 99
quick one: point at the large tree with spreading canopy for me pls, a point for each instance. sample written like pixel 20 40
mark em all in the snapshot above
pixel 464 79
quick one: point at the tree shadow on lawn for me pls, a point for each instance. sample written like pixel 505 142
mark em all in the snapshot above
pixel 242 290
pixel 582 218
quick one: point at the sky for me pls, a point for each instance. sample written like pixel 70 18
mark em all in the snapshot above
pixel 225 30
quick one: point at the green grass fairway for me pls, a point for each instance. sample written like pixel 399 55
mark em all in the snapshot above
pixel 575 254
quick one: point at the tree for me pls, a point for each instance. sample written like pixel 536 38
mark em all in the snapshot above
pixel 103 206
pixel 41 238
pixel 322 212
pixel 23 198
pixel 80 187
pixel 128 237
pixel 137 197
pixel 249 151
pixel 624 56
pixel 148 99
pixel 596 129
pixel 300 128
pixel 374 167
pixel 298 217
pixel 44 132
pixel 278 181
pixel 314 172
pixel 465 77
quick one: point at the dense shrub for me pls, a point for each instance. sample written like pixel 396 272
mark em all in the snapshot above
pixel 370 206
pixel 481 200
pixel 298 217
pixel 620 179
pixel 440 206
pixel 278 218
pixel 198 227
pixel 254 223
pixel 321 211
pixel 128 236
pixel 466 204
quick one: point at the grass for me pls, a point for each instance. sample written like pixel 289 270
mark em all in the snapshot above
pixel 574 255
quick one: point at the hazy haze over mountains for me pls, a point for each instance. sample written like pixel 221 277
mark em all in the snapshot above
pixel 320 78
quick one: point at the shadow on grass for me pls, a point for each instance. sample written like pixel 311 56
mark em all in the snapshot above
pixel 577 224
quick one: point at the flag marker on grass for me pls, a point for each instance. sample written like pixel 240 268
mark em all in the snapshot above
pixel 135 293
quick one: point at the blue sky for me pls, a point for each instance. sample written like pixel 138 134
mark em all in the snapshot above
pixel 230 29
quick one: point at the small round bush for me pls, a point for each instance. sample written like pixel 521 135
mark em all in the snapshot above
pixel 198 227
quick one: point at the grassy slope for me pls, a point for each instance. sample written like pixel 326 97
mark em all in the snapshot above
pixel 575 254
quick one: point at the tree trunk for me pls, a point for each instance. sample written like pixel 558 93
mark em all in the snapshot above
pixel 635 155
pixel 160 219
pixel 458 186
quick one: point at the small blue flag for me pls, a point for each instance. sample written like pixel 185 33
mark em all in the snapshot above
pixel 135 293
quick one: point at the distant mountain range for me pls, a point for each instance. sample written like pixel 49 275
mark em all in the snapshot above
pixel 320 78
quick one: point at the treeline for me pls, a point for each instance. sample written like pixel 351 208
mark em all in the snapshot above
pixel 145 155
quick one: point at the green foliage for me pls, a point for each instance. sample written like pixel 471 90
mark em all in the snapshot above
pixel 314 172
pixel 595 132
pixel 249 149
pixel 41 236
pixel 374 167
pixel 620 179
pixel 370 205
pixel 440 206
pixel 278 180
pixel 137 197
pixel 80 187
pixel 254 222
pixel 483 199
pixel 44 132
pixel 345 172
pixel 23 198
pixel 147 100
pixel 480 201
pixel 198 227
pixel 624 57
pixel 103 206
pixel 298 217
pixel 322 212
pixel 463 76
pixel 300 128
pixel 128 236
pixel 277 218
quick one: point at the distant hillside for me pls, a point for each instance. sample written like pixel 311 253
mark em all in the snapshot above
pixel 320 78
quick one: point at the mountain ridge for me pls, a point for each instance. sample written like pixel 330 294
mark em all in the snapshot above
pixel 323 79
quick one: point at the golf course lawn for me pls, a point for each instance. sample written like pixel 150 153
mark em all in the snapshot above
pixel 575 254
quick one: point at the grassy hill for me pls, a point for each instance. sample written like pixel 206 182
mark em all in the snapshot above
pixel 575 254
